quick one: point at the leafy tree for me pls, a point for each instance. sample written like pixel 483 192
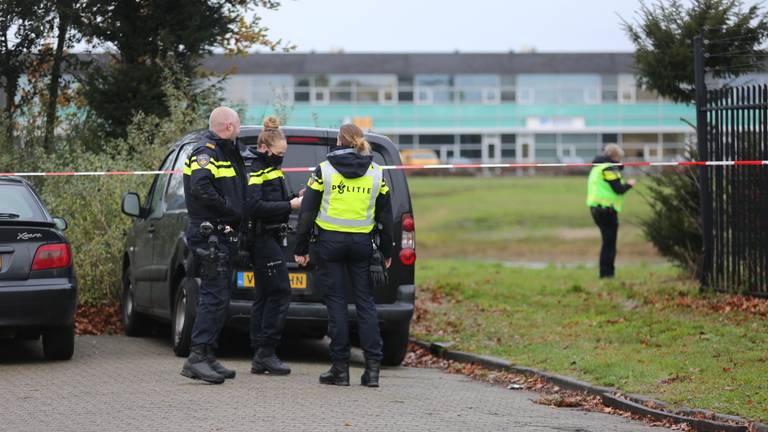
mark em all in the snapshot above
pixel 144 35
pixel 66 14
pixel 663 37
pixel 22 27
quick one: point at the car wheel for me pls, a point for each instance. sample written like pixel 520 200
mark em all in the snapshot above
pixel 59 342
pixel 395 345
pixel 134 324
pixel 184 312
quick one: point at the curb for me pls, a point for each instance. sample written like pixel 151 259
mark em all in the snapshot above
pixel 611 397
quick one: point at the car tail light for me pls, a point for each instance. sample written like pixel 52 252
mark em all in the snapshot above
pixel 408 241
pixel 52 256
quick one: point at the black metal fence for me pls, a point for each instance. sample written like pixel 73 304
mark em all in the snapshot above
pixel 733 125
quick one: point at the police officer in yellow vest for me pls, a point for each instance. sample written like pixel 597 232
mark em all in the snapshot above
pixel 346 198
pixel 605 198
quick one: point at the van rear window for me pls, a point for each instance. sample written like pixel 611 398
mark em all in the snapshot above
pixel 302 155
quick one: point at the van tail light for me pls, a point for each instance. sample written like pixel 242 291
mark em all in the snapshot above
pixel 52 256
pixel 408 240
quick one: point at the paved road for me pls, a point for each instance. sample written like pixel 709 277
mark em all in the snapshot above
pixel 115 383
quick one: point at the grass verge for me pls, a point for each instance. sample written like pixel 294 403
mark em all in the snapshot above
pixel 519 218
pixel 648 332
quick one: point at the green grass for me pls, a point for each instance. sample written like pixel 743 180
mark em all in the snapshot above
pixel 634 333
pixel 629 333
pixel 518 218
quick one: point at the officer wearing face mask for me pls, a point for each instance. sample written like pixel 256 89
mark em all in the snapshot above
pixel 268 206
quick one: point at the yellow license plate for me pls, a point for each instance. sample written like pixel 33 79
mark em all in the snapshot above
pixel 247 280
pixel 298 280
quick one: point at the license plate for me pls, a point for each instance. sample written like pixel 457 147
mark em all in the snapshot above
pixel 247 280
pixel 298 280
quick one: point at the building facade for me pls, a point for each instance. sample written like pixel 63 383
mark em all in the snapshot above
pixel 510 107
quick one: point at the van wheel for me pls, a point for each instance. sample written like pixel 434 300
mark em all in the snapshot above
pixel 134 324
pixel 395 345
pixel 59 342
pixel 184 313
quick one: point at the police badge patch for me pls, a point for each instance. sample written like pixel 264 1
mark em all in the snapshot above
pixel 203 160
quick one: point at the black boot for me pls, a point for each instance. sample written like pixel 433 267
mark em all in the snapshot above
pixel 265 361
pixel 218 367
pixel 370 377
pixel 338 375
pixel 197 367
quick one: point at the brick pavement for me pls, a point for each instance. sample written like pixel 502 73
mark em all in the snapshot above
pixel 116 383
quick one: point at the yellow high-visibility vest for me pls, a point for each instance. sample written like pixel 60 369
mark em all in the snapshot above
pixel 349 205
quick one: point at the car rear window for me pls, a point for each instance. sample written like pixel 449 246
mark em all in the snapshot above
pixel 18 200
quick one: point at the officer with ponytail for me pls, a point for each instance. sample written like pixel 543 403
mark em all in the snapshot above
pixel 268 207
pixel 346 198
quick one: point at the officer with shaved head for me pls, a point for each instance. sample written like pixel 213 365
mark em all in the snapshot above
pixel 214 189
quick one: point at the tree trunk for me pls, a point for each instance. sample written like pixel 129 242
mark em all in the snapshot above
pixel 11 85
pixel 64 11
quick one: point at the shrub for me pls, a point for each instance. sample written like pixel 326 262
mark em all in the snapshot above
pixel 674 226
pixel 91 204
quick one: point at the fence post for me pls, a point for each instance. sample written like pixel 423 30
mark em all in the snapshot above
pixel 705 186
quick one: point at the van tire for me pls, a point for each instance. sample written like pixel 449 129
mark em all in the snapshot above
pixel 134 323
pixel 183 318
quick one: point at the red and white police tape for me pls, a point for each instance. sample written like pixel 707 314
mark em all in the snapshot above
pixel 417 167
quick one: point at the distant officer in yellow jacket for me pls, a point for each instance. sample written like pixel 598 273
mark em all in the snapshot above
pixel 605 198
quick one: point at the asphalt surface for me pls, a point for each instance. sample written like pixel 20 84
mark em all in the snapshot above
pixel 117 383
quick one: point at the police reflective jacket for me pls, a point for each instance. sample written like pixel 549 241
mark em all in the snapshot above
pixel 605 186
pixel 268 199
pixel 215 181
pixel 346 193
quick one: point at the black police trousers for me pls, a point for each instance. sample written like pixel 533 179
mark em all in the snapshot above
pixel 338 255
pixel 215 285
pixel 607 220
pixel 273 292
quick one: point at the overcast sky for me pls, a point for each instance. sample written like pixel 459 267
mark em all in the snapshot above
pixel 448 25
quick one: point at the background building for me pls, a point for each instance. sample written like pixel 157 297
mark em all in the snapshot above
pixel 485 107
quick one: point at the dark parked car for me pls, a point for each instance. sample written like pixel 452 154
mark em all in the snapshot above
pixel 159 280
pixel 38 292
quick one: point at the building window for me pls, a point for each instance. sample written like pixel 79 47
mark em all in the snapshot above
pixel 471 139
pixel 477 88
pixel 433 88
pixel 546 147
pixel 437 139
pixel 584 146
pixel 627 88
pixel 610 88
pixel 559 88
pixel 610 138
pixel 405 140
pixel 509 146
pixel 302 89
pixel 258 89
pixel 471 153
pixel 508 90
pixel 405 88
